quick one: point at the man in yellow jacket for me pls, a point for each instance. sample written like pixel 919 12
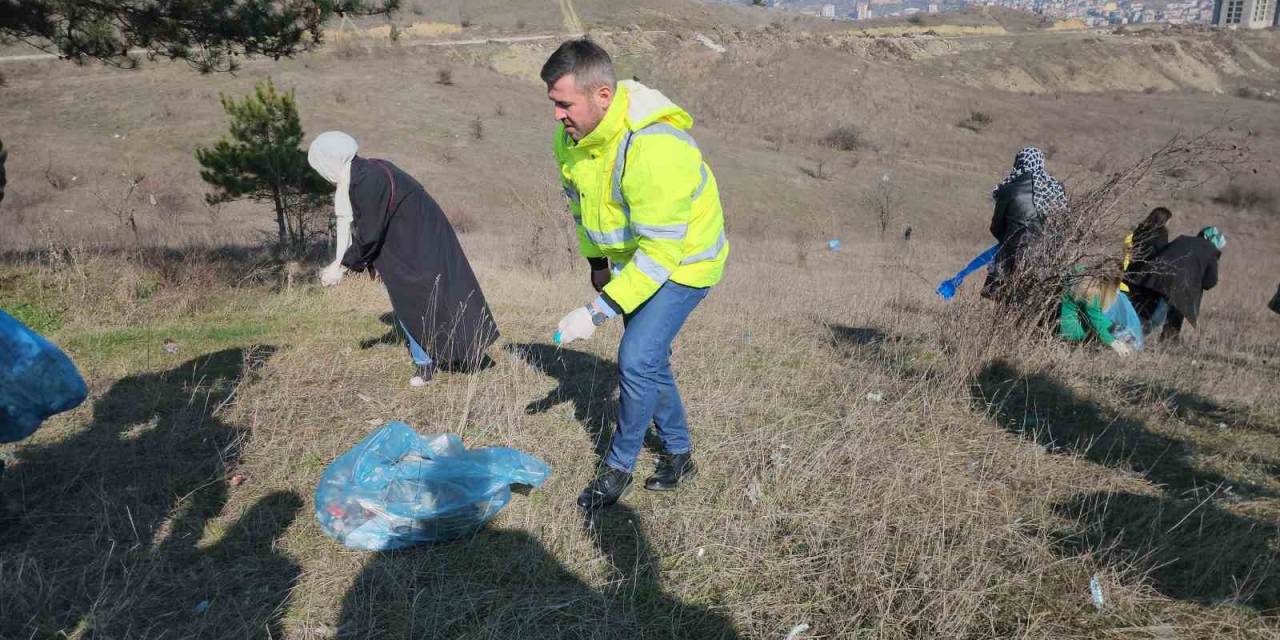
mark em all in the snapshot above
pixel 650 224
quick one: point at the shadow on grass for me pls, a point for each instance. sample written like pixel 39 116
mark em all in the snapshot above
pixel 101 528
pixel 393 336
pixel 1193 550
pixel 585 380
pixel 1039 407
pixel 1193 408
pixel 506 584
pixel 902 357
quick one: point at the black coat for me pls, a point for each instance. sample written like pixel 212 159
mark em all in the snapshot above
pixel 1015 211
pixel 1014 222
pixel 1182 272
pixel 411 244
pixel 1146 244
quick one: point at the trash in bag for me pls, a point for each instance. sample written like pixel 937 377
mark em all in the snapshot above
pixel 947 290
pixel 1126 326
pixel 37 380
pixel 397 488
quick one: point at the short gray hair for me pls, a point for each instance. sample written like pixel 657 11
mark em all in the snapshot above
pixel 586 61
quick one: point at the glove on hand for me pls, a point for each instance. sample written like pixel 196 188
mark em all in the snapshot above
pixel 577 325
pixel 332 274
pixel 1121 347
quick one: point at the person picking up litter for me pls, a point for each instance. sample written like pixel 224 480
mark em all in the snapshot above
pixel 650 224
pixel 403 237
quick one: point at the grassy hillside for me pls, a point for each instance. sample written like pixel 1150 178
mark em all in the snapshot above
pixel 875 463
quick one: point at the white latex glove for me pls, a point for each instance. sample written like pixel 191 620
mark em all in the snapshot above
pixel 1121 347
pixel 577 325
pixel 332 274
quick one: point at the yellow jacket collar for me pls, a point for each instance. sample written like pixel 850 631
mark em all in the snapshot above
pixel 646 106
pixel 634 107
pixel 613 123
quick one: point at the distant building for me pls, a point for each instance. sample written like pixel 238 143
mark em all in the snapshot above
pixel 1246 14
pixel 828 11
pixel 933 7
pixel 862 11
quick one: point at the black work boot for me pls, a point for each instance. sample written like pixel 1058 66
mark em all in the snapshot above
pixel 672 468
pixel 606 489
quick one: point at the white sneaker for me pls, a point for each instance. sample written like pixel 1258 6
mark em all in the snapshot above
pixel 422 376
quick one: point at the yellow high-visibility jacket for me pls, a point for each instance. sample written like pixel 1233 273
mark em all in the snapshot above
pixel 643 198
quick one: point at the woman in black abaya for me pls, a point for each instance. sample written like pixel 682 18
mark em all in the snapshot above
pixel 387 223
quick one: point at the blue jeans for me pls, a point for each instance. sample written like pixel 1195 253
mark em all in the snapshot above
pixel 1166 316
pixel 419 355
pixel 649 393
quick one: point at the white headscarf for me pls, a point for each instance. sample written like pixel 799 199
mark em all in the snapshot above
pixel 330 155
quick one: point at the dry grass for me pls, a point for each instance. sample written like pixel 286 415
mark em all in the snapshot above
pixel 852 480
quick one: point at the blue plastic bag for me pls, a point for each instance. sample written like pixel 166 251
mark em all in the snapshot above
pixel 397 488
pixel 1125 323
pixel 947 290
pixel 37 380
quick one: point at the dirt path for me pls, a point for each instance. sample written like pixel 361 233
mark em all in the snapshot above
pixel 571 21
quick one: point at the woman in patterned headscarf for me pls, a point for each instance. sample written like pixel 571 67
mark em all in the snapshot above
pixel 1023 200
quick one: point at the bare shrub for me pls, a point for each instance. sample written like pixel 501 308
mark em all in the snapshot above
pixel 844 138
pixel 1239 196
pixel 58 176
pixel 444 77
pixel 550 246
pixel 1085 236
pixel 775 139
pixel 821 170
pixel 976 122
pixel 883 201
pixel 120 200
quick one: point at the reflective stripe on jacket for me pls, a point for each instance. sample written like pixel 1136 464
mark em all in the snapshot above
pixel 642 197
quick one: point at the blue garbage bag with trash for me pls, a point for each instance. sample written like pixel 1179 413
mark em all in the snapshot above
pixel 947 290
pixel 37 380
pixel 1125 323
pixel 398 488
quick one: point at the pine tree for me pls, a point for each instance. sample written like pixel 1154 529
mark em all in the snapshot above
pixel 263 160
